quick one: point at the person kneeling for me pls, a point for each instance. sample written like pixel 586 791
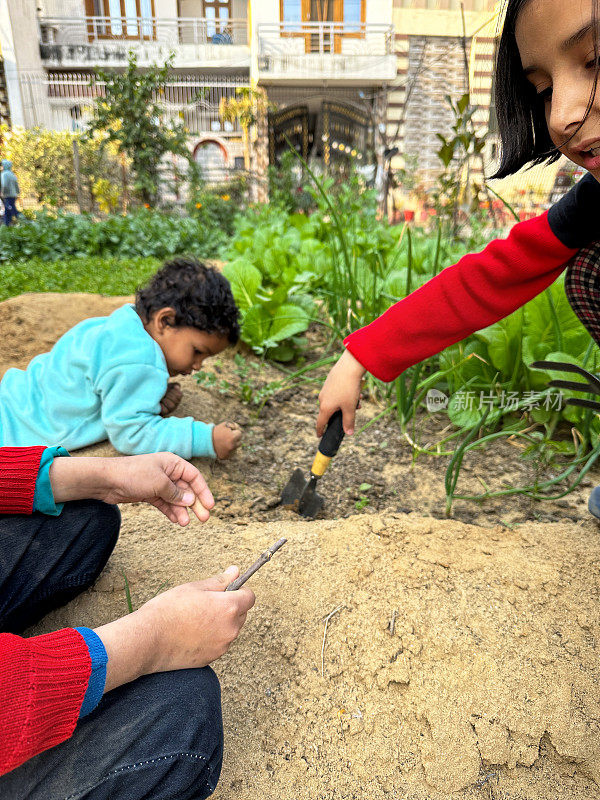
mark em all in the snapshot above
pixel 130 709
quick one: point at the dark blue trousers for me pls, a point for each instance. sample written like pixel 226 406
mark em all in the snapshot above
pixel 160 737
pixel 10 209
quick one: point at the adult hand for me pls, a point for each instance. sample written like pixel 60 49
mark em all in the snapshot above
pixel 162 479
pixel 226 439
pixel 341 390
pixel 185 627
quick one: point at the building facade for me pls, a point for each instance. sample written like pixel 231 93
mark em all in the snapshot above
pixel 441 53
pixel 324 66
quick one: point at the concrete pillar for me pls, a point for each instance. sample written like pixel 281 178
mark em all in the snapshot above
pixel 260 152
pixel 19 40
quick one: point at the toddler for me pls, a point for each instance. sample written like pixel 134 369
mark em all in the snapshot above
pixel 108 376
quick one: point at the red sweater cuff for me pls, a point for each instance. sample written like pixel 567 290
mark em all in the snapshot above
pixel 19 468
pixel 43 681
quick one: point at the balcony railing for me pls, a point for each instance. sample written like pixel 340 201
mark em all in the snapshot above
pixel 192 99
pixel 306 50
pixel 351 38
pixel 129 30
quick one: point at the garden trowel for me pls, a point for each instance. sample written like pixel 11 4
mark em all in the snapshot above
pixel 301 494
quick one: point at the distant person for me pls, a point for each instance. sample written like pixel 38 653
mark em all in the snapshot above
pixel 108 377
pixel 9 188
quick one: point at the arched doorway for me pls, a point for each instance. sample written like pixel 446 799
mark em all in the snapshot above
pixel 213 160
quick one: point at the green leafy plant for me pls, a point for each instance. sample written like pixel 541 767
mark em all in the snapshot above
pixel 455 187
pixel 363 501
pixel 272 316
pixel 104 275
pixel 247 387
pixel 246 106
pixel 143 233
pixel 43 160
pixel 107 195
pixel 217 206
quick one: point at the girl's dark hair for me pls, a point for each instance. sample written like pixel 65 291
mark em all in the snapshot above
pixel 521 116
pixel 200 296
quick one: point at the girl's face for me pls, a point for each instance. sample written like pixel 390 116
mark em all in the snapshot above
pixel 556 43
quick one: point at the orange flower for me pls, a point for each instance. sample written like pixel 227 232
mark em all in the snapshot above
pixel 198 205
pixel 224 197
pixel 146 205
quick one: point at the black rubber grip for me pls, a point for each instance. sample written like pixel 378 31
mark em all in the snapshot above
pixel 332 438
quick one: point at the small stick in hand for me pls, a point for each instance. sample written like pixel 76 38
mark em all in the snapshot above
pixel 266 556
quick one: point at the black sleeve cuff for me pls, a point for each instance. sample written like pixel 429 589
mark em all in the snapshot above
pixel 575 219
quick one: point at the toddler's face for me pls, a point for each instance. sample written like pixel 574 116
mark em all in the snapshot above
pixel 185 349
pixel 556 44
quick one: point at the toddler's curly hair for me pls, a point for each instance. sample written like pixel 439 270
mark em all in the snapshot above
pixel 200 296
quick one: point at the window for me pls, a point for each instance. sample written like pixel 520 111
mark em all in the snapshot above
pixel 217 13
pixel 114 12
pixel 291 10
pixel 131 19
pixel 352 13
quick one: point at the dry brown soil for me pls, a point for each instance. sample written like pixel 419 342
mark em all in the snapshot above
pixel 461 656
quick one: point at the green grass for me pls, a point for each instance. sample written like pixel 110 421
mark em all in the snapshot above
pixel 109 276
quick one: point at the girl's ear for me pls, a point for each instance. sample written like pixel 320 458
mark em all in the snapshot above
pixel 164 318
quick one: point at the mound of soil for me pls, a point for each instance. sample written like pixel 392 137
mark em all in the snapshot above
pixel 392 653
pixel 457 661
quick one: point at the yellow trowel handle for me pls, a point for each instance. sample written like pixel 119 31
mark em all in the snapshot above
pixel 329 444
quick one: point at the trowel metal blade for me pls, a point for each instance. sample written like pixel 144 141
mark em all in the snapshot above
pixel 294 488
pixel 300 495
pixel 310 503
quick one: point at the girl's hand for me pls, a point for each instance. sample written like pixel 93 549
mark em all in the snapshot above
pixel 341 390
pixel 226 439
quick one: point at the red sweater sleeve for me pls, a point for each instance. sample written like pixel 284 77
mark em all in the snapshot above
pixel 18 473
pixel 477 291
pixel 43 681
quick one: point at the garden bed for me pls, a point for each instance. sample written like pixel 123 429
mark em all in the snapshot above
pixel 488 684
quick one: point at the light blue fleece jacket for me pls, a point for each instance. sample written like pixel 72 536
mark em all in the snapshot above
pixel 104 378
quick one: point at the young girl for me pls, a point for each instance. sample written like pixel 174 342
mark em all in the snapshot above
pixel 548 103
pixel 108 376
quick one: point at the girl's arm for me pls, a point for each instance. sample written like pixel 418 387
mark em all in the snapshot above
pixel 479 290
pixel 475 292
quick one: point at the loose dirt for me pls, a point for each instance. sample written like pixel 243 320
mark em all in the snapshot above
pixel 461 656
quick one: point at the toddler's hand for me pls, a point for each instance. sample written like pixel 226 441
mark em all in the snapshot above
pixel 171 399
pixel 226 438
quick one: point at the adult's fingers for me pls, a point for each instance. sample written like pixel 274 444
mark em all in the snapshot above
pixel 245 597
pixel 177 514
pixel 218 583
pixel 189 474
